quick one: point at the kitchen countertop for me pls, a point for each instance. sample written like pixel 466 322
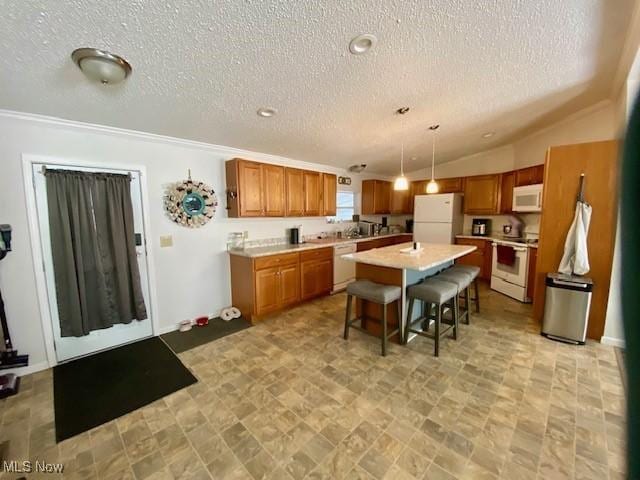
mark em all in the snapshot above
pixel 432 255
pixel 500 239
pixel 254 252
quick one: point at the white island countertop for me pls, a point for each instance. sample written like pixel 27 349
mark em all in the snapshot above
pixel 432 255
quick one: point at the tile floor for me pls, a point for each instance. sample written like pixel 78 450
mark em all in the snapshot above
pixel 289 399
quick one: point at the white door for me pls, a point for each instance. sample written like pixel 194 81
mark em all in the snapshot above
pixel 433 232
pixel 72 347
pixel 434 208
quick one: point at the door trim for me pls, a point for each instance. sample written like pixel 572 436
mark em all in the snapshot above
pixel 36 248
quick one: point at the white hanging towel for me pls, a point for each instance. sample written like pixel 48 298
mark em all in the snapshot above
pixel 576 258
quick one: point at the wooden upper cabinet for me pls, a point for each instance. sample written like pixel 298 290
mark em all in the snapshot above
pixel 482 195
pixel 417 187
pixel 529 176
pixel 257 189
pixel 506 192
pixel 376 197
pixel 450 185
pixel 329 194
pixel 400 201
pixel 312 193
pixel 294 181
pixel 273 190
pixel 250 188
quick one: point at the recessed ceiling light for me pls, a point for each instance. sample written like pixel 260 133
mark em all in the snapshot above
pixel 100 65
pixel 266 112
pixel 488 134
pixel 362 43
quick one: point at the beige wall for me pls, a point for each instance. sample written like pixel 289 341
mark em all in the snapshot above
pixel 589 125
pixel 598 122
pixel 491 161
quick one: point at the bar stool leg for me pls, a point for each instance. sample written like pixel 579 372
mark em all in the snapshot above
pixel 399 305
pixel 409 318
pixel 426 313
pixel 384 330
pixel 477 293
pixel 467 303
pixel 456 313
pixel 436 348
pixel 347 317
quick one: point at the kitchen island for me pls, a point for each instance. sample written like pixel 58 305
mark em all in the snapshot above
pixel 391 266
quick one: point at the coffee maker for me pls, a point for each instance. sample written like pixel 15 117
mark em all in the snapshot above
pixel 480 227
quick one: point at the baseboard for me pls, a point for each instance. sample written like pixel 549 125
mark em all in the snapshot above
pixel 168 328
pixel 615 342
pixel 29 369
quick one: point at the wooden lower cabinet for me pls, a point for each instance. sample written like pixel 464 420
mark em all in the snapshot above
pixel 267 290
pixel 264 285
pixel 482 257
pixel 316 272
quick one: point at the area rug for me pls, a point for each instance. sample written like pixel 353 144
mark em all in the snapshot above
pixel 217 328
pixel 94 390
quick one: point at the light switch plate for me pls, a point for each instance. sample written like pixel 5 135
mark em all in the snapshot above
pixel 166 241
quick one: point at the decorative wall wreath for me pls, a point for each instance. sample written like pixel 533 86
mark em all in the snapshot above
pixel 189 203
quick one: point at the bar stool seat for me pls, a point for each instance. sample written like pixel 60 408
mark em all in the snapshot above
pixel 471 269
pixel 432 291
pixel 474 271
pixel 374 292
pixel 368 291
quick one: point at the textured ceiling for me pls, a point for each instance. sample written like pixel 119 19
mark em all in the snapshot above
pixel 201 69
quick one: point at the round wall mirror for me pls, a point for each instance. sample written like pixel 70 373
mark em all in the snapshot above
pixel 193 204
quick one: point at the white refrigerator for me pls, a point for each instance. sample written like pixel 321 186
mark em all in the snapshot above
pixel 437 218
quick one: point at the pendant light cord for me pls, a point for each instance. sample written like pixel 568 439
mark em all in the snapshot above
pixel 433 129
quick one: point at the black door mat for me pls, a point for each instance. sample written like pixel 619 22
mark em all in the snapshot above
pixel 94 390
pixel 217 328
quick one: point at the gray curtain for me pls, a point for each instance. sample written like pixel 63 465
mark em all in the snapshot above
pixel 94 254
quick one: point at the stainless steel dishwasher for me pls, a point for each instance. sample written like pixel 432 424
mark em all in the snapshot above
pixel 566 307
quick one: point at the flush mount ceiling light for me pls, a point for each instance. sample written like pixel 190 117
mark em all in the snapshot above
pixel 357 168
pixel 488 134
pixel 432 186
pixel 266 112
pixel 401 182
pixel 362 43
pixel 101 66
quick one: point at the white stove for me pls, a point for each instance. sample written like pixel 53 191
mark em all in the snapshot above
pixel 510 268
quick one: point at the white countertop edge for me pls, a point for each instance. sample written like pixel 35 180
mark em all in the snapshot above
pixel 497 239
pixel 255 252
pixel 387 263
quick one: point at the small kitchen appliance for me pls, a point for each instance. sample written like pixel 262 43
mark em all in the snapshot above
pixel 480 227
pixel 295 235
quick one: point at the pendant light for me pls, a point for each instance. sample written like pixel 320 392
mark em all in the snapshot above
pixel 401 182
pixel 432 186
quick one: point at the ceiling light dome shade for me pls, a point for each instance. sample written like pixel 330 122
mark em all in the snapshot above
pixel 432 187
pixel 101 66
pixel 401 183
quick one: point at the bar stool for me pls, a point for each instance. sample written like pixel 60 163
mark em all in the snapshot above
pixel 474 271
pixel 432 292
pixel 462 281
pixel 368 291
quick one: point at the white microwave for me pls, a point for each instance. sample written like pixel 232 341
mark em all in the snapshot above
pixel 527 198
